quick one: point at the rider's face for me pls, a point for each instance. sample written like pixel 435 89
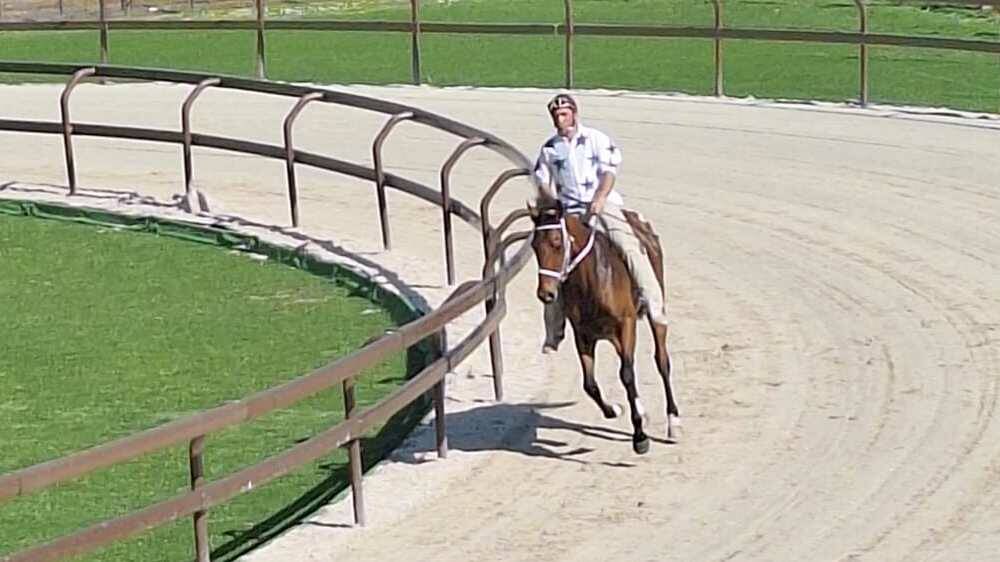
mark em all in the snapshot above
pixel 564 119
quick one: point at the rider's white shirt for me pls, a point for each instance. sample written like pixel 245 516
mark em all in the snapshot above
pixel 576 164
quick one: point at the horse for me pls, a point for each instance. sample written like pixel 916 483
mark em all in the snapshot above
pixel 601 301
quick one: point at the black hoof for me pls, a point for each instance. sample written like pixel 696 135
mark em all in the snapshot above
pixel 641 447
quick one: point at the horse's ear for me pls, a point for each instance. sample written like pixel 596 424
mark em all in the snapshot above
pixel 532 209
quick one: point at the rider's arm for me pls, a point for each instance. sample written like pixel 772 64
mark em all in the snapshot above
pixel 604 188
pixel 609 157
pixel 541 172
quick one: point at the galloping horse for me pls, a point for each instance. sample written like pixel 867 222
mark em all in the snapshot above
pixel 600 299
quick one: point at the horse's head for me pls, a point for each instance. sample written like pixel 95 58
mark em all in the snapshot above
pixel 551 244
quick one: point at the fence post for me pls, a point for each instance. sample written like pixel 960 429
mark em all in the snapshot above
pixel 492 245
pixel 863 52
pixel 186 129
pixel 104 31
pixel 293 193
pixel 383 205
pixel 569 43
pixel 717 8
pixel 354 456
pixel 449 250
pixel 68 127
pixel 261 68
pixel 195 451
pixel 439 419
pixel 415 40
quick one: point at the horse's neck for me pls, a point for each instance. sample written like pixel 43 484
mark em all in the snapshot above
pixel 586 273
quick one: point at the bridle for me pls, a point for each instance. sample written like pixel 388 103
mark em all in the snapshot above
pixel 569 262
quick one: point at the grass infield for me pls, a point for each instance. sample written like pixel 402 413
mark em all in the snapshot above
pixel 108 331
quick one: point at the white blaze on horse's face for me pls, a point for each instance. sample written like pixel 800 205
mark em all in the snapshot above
pixel 550 244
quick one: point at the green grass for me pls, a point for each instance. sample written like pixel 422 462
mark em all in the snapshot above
pixel 108 332
pixel 761 69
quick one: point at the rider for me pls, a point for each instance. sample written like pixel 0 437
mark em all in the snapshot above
pixel 583 163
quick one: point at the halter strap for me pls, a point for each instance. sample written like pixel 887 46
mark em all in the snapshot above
pixel 569 262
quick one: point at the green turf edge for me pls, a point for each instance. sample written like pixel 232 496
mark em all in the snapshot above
pixel 375 448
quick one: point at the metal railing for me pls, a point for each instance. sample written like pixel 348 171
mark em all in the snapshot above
pixel 717 32
pixel 192 429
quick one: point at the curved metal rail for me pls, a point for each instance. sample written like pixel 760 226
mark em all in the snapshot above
pixel 193 429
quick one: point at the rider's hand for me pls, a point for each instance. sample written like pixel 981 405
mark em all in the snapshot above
pixel 596 206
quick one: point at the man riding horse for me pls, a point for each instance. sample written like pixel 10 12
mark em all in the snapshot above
pixel 583 164
pixel 591 266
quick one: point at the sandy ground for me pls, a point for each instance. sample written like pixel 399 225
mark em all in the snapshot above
pixel 834 282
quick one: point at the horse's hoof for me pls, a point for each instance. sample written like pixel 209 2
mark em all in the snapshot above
pixel 641 447
pixel 616 410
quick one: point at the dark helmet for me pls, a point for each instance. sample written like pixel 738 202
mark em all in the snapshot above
pixel 560 101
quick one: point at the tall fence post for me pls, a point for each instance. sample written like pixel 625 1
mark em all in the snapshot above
pixel 293 192
pixel 717 9
pixel 383 204
pixel 186 129
pixel 261 65
pixel 415 40
pixel 491 245
pixel 449 249
pixel 354 458
pixel 569 43
pixel 68 127
pixel 104 31
pixel 440 428
pixel 196 449
pixel 863 52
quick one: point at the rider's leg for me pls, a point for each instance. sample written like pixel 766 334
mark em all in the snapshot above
pixel 620 233
pixel 555 325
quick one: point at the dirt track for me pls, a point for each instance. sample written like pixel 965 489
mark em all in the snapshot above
pixel 834 285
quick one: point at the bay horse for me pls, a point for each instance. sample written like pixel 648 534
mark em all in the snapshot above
pixel 601 301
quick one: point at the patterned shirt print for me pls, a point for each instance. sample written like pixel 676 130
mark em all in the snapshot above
pixel 576 164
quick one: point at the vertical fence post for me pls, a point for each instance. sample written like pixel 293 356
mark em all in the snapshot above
pixel 717 8
pixel 68 127
pixel 104 31
pixel 439 419
pixel 354 456
pixel 293 193
pixel 261 68
pixel 863 52
pixel 449 247
pixel 195 451
pixel 415 40
pixel 569 43
pixel 186 129
pixel 60 7
pixel 492 246
pixel 383 204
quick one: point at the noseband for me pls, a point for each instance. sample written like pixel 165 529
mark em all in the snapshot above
pixel 569 262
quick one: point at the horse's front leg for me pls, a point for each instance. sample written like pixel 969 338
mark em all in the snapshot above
pixel 585 348
pixel 625 345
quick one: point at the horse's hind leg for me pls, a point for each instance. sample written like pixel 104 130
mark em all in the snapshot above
pixel 625 345
pixel 585 348
pixel 663 365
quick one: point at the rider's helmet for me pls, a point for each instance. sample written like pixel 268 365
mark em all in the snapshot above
pixel 560 101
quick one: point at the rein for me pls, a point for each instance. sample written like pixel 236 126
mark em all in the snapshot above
pixel 569 262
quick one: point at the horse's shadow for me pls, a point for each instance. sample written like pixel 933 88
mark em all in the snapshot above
pixel 513 428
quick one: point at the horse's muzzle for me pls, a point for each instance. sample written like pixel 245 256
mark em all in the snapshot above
pixel 547 296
